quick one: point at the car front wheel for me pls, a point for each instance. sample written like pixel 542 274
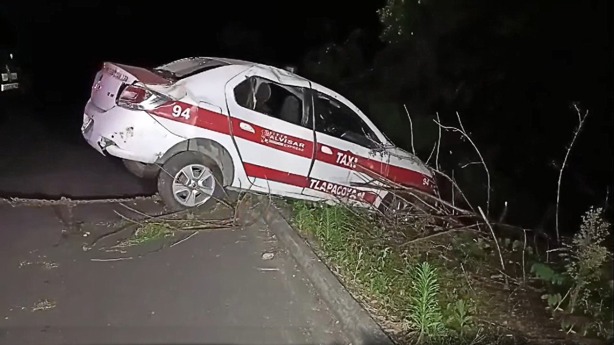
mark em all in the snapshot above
pixel 393 205
pixel 190 179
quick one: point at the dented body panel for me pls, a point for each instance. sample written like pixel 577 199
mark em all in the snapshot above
pixel 139 136
pixel 267 129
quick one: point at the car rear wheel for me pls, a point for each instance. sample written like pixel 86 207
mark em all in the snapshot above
pixel 141 170
pixel 190 179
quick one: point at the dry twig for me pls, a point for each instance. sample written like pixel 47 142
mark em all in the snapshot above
pixel 581 119
pixel 431 236
pixel 464 133
pixel 496 243
pixel 411 130
pixel 438 144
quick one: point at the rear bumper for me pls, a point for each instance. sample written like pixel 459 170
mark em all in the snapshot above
pixel 126 134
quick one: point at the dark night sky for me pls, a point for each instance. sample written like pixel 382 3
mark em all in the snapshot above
pixel 73 37
pixel 85 32
pixel 76 36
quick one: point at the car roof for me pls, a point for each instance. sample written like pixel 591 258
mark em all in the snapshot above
pixel 288 77
pixel 281 75
pixel 291 79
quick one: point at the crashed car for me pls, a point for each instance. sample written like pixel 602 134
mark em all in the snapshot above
pixel 202 125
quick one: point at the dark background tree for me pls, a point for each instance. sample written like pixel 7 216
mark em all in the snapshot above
pixel 512 70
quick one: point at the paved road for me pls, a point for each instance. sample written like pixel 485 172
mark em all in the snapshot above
pixel 38 159
pixel 214 287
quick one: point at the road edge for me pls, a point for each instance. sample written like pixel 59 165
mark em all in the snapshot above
pixel 356 322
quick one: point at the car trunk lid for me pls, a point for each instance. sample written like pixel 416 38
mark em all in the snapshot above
pixel 111 79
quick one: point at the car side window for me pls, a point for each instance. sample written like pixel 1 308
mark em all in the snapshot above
pixel 338 120
pixel 276 100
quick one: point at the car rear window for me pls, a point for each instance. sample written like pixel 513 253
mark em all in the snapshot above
pixel 186 67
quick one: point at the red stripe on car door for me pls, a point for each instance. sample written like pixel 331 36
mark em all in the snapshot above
pixel 219 123
pixel 258 171
pixel 374 168
pixel 276 140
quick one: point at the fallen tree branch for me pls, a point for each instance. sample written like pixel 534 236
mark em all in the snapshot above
pixel 496 243
pixel 456 187
pixel 431 236
pixel 464 133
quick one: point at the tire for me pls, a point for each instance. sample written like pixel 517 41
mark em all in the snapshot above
pixel 141 170
pixel 176 167
pixel 394 205
pixel 391 205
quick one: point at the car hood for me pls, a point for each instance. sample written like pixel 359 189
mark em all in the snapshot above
pixel 403 155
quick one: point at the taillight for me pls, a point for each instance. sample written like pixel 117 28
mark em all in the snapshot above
pixel 140 98
pixel 133 94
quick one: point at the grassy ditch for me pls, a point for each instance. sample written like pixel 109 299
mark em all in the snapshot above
pixel 160 230
pixel 148 232
pixel 465 287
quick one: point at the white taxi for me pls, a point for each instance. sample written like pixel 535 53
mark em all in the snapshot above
pixel 201 125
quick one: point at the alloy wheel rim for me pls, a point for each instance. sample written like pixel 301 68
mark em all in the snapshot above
pixel 193 185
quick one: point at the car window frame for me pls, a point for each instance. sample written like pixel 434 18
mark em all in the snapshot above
pixel 374 140
pixel 305 98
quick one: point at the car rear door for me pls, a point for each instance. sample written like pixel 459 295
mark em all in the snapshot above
pixel 269 119
pixel 348 154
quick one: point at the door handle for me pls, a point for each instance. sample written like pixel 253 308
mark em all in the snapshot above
pixel 326 149
pixel 246 127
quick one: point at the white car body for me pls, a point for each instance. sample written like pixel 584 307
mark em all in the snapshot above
pixel 255 151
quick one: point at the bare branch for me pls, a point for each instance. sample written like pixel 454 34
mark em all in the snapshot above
pixel 581 119
pixel 462 131
pixel 496 243
pixel 438 143
pixel 455 186
pixel 431 154
pixel 463 228
pixel 468 164
pixel 453 196
pixel 411 130
pixel 524 250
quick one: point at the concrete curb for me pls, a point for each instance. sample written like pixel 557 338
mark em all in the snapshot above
pixel 356 322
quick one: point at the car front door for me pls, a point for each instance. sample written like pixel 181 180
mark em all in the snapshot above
pixel 268 125
pixel 348 153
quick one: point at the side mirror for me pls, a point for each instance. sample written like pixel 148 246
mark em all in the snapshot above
pixel 361 140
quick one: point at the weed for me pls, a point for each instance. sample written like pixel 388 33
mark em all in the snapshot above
pixel 545 273
pixel 586 255
pixel 424 312
pixel 579 290
pixel 461 316
pixel 148 232
pixel 401 287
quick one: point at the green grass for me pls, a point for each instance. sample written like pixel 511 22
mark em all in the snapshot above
pixel 402 286
pixel 451 289
pixel 148 232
